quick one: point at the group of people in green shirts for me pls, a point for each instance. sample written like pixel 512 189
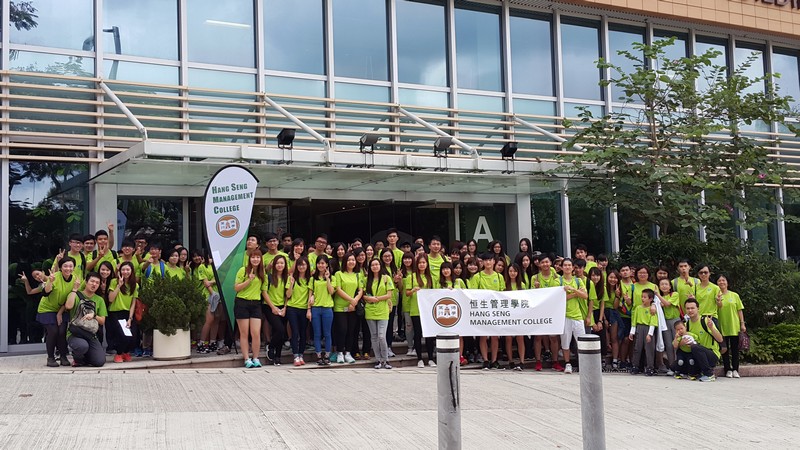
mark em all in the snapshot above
pixel 647 322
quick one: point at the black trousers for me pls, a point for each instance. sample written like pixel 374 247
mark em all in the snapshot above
pixel 117 340
pixel 730 359
pixel 415 321
pixel 345 331
pixel 278 332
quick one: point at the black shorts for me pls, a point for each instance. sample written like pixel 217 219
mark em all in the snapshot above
pixel 246 309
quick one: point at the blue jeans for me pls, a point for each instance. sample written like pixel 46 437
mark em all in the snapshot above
pixel 298 321
pixel 322 321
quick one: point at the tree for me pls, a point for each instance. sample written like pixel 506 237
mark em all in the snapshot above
pixel 683 132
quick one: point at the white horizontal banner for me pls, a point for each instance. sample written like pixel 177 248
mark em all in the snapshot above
pixel 480 312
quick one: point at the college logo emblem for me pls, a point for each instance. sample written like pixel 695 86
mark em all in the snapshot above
pixel 227 226
pixel 446 312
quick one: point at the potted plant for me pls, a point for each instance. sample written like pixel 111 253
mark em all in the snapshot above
pixel 174 308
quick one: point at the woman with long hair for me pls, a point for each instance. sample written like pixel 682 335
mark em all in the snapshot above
pixel 419 279
pixel 250 286
pixel 349 290
pixel 320 302
pixel 275 307
pixel 378 294
pixel 123 294
pixel 297 310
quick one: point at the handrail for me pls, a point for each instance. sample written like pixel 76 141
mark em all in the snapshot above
pixel 541 130
pixel 458 142
pixel 325 143
pixel 123 108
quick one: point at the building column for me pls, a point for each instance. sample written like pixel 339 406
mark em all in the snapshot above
pixel 103 209
pixel 518 223
pixel 566 248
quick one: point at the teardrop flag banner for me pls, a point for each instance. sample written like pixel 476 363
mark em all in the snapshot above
pixel 228 207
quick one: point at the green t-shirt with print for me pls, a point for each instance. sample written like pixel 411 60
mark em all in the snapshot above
pixel 349 282
pixel 99 308
pixel 672 311
pixel 380 310
pixel 707 298
pixel 277 292
pixel 577 308
pixel 493 281
pixel 550 281
pixel 123 301
pixel 322 298
pixel 53 301
pixel 410 282
pixel 704 338
pixel 253 290
pixel 729 323
pixel 643 316
pixel 435 265
pixel 175 272
pixel 687 348
pixel 300 291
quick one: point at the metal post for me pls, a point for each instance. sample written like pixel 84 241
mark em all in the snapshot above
pixel 592 412
pixel 449 391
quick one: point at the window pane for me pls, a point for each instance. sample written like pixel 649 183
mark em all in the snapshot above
pixel 705 44
pixel 421 43
pixel 310 111
pixel 546 222
pixel 478 50
pixel 531 56
pixel 588 226
pixel 678 49
pixel 214 79
pixel 622 40
pixel 144 73
pixel 742 54
pixel 48 28
pixel 423 98
pixel 221 32
pixel 785 62
pixel 47 202
pixel 359 38
pixel 143 28
pixel 57 64
pixel 580 48
pixel 293 36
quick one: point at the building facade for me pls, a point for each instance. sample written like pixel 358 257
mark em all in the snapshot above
pixel 120 111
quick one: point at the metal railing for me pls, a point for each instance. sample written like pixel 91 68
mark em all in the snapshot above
pixel 69 118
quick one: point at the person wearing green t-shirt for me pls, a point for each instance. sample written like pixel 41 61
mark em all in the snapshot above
pixel 682 345
pixel 87 350
pixel 624 305
pixel 250 284
pixel 596 305
pixel 378 293
pixel 545 278
pixel 644 323
pixel 435 258
pixel 203 273
pixel 493 281
pixel 298 312
pixel 272 250
pixel 320 300
pixel 275 307
pixel 670 305
pixel 515 282
pixel 406 271
pixel 706 352
pixel 127 253
pixel 349 290
pixel 51 311
pixel 574 323
pixel 420 278
pixel 386 257
pixel 104 252
pixel 171 268
pixel 123 294
pixel 613 317
pixel 731 323
pixel 320 242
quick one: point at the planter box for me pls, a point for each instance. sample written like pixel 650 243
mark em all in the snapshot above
pixel 167 348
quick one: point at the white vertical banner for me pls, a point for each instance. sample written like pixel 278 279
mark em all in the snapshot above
pixel 228 207
pixel 481 312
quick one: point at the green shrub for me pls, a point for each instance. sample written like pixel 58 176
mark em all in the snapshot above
pixel 172 304
pixel 767 286
pixel 777 344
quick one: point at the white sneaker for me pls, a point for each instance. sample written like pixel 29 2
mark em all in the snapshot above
pixel 431 363
pixel 413 352
pixel 736 374
pixel 729 374
pixel 568 368
pixel 421 364
pixel 348 359
pixel 410 352
pixel 340 358
pixel 391 354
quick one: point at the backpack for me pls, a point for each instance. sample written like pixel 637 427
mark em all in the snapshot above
pixel 113 253
pixel 80 326
pixel 149 270
pixel 705 328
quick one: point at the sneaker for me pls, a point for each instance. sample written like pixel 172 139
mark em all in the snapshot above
pixel 302 361
pixel 479 359
pixel 249 363
pixel 692 377
pixel 51 362
pixel 568 368
pixel 224 350
pixel 117 358
pixel 413 352
pixel 212 347
pixel 729 374
pixel 64 361
pixel 137 352
pixel 538 366
pixel 634 371
pixel 649 372
pixel 471 358
pixel 410 352
pixel 348 359
pixel 431 363
pixel 333 357
pixel 147 353
pixel 678 376
pixel 379 365
pixel 486 365
pixel 297 361
pixel 391 354
pixel 736 374
pixel 421 364
pixel 495 365
pixel 287 345
pixel 615 365
pixel 256 362
pixel 706 378
pixel 386 365
pixel 462 361
pixel 357 357
pixel 340 357
pixel 276 362
pixel 510 366
pixel 558 367
pixel 518 367
pixel 670 373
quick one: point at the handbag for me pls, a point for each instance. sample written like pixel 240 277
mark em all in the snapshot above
pixel 139 311
pixel 361 309
pixel 744 341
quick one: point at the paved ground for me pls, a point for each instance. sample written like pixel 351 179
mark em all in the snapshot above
pixel 363 408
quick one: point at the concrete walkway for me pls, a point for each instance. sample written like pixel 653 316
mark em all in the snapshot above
pixel 364 408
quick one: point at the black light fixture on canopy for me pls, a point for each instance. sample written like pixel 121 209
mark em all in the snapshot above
pixel 442 145
pixel 368 140
pixel 507 153
pixel 286 138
